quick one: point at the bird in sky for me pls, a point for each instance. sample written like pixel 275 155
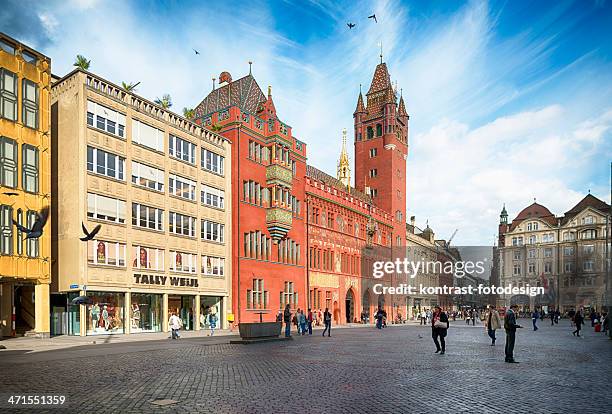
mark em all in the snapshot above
pixel 9 193
pixel 196 52
pixel 90 235
pixel 373 17
pixel 350 25
pixel 37 228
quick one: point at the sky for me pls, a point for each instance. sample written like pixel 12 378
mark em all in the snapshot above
pixel 508 101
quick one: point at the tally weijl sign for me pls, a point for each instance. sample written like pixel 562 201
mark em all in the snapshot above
pixel 160 280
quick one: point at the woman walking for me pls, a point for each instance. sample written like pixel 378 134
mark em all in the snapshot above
pixel 439 327
pixel 327 321
pixel 578 321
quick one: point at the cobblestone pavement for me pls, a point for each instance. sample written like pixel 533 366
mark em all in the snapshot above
pixel 355 371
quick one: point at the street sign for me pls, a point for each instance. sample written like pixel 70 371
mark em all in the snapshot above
pixel 74 286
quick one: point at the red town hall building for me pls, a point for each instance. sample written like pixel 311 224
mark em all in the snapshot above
pixel 302 236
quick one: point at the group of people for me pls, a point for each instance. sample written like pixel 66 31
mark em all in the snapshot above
pixel 175 323
pixel 303 321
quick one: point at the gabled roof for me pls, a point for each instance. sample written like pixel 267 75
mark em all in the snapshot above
pixel 402 108
pixel 534 211
pixel 319 175
pixel 588 201
pixel 360 106
pixel 244 93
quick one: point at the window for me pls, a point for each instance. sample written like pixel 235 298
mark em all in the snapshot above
pixel 20 235
pixel 32 245
pixel 212 197
pixel 147 217
pixel 533 239
pixel 378 130
pixel 8 162
pixel 257 298
pixel 212 162
pixel 288 251
pixel 148 136
pixel 516 269
pixel 145 176
pixel 106 253
pixel 213 231
pixel 569 267
pixel 373 152
pixel 532 226
pixel 532 268
pixel 182 149
pixel 7 47
pixel 517 255
pixel 29 160
pixel 213 266
pixel 588 234
pixel 587 220
pixel 183 262
pixel 105 208
pixel 373 173
pixel 532 253
pixel 8 95
pixel 106 119
pixel 181 187
pixel 6 230
pixel 29 104
pixel 548 252
pixel 29 57
pixel 147 258
pixel 373 192
pixel 288 296
pixel 105 163
pixel 588 265
pixel 547 267
pixel 588 249
pixel 569 236
pixel 257 245
pixel 181 224
pixel 399 216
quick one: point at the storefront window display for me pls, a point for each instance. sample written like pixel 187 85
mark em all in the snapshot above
pixel 210 305
pixel 145 313
pixel 183 306
pixel 105 313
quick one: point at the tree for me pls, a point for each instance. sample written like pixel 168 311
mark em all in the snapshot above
pixel 130 87
pixel 188 113
pixel 165 101
pixel 82 62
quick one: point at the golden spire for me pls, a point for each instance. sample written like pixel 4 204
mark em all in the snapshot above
pixel 344 165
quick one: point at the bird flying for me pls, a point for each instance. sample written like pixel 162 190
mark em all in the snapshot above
pixel 373 17
pixel 196 52
pixel 89 235
pixel 350 25
pixel 37 229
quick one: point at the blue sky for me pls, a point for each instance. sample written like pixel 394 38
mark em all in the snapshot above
pixel 508 101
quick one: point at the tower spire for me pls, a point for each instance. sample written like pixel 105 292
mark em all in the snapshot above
pixel 344 165
pixel 381 51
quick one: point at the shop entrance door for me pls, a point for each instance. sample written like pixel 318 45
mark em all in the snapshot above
pixel 183 306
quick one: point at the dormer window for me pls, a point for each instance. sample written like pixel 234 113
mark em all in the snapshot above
pixel 588 220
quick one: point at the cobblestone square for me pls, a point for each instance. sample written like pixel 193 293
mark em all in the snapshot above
pixel 357 370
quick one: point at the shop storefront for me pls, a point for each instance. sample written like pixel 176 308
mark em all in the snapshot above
pixel 145 312
pixel 105 313
pixel 183 306
pixel 211 305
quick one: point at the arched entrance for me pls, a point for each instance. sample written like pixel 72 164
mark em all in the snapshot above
pixel 365 304
pixel 381 301
pixel 349 306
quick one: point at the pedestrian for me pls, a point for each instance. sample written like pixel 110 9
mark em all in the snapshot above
pixel 605 325
pixel 279 316
pixel 578 321
pixel 384 318
pixel 474 316
pixel 511 326
pixel 468 317
pixel 593 317
pixel 552 317
pixel 309 321
pixel 212 321
pixel 287 319
pixel 439 328
pixel 423 316
pixel 379 318
pixel 327 322
pixel 175 325
pixel 302 322
pixel 493 322
pixel 296 320
pixel 557 316
pixel 534 318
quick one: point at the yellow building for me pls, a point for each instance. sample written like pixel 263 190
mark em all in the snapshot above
pixel 25 188
pixel 159 187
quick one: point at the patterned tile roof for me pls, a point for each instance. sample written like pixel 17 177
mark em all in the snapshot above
pixel 402 108
pixel 360 106
pixel 381 79
pixel 244 93
pixel 319 175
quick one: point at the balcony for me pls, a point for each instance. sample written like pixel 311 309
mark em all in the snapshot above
pixel 279 174
pixel 279 221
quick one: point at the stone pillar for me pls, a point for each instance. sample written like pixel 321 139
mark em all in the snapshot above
pixel 41 310
pixel 127 323
pixel 83 316
pixel 165 315
pixel 196 310
pixel 6 308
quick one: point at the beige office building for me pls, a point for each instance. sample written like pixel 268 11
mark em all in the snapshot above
pixel 158 185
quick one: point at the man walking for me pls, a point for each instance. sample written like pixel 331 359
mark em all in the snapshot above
pixel 493 322
pixel 175 325
pixel 578 321
pixel 534 318
pixel 327 321
pixel 510 326
pixel 309 322
pixel 287 319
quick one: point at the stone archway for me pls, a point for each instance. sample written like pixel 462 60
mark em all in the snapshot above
pixel 349 306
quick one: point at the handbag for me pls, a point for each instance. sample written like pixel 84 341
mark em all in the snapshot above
pixel 440 324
